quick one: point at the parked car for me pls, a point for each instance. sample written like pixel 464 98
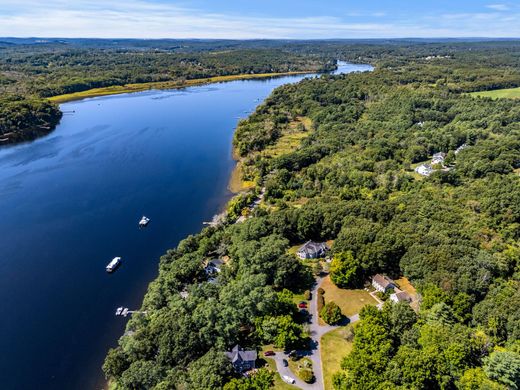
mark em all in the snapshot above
pixel 269 353
pixel 302 305
pixel 288 379
pixel 285 362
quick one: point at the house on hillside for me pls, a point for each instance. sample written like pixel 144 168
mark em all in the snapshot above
pixel 382 283
pixel 424 170
pixel 242 360
pixel 214 266
pixel 312 250
pixel 400 296
pixel 438 158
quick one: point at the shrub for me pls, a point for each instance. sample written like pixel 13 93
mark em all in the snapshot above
pixel 321 300
pixel 331 313
pixel 306 375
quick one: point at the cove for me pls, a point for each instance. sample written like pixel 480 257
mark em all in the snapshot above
pixel 71 201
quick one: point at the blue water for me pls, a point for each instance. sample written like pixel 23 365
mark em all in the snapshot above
pixel 70 202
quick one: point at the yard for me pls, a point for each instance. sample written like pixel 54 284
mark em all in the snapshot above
pixel 334 347
pixel 509 93
pixel 350 301
pixel 405 285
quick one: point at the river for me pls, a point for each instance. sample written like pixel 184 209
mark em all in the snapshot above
pixel 71 201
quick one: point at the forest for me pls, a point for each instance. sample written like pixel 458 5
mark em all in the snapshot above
pixel 31 71
pixel 455 233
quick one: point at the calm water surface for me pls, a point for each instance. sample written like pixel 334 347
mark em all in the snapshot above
pixel 70 202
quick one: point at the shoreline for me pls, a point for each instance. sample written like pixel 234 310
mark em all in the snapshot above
pixel 174 84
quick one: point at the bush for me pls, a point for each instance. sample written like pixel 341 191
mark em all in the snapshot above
pixel 331 313
pixel 306 375
pixel 321 300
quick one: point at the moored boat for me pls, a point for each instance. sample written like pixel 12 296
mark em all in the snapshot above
pixel 144 221
pixel 116 261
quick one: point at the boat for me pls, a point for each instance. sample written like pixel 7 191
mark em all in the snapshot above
pixel 119 310
pixel 113 264
pixel 144 221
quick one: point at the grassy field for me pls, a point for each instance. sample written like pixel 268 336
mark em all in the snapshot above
pixel 334 347
pixel 291 138
pixel 118 89
pixel 350 301
pixel 510 93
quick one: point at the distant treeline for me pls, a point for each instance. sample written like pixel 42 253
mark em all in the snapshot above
pixel 31 72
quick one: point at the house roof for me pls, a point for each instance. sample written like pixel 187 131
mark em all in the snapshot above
pixel 216 262
pixel 402 296
pixel 312 247
pixel 383 281
pixel 439 155
pixel 238 354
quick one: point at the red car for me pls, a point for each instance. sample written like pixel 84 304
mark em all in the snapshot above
pixel 302 305
pixel 269 353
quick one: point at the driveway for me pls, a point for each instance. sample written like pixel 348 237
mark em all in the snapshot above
pixel 314 354
pixel 282 370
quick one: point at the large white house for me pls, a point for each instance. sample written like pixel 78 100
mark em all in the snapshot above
pixel 382 283
pixel 438 158
pixel 424 170
pixel 312 250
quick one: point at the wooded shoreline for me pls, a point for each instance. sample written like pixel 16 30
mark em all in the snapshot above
pixel 174 84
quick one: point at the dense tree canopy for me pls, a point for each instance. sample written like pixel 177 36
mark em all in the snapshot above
pixel 455 234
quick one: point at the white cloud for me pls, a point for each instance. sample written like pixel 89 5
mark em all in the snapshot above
pixel 498 7
pixel 144 19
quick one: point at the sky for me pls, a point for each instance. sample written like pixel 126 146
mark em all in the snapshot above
pixel 249 19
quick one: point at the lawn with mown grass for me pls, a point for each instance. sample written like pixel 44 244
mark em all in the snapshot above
pixel 334 347
pixel 508 93
pixel 349 301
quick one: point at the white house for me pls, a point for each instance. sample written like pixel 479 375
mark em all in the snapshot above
pixel 400 296
pixel 438 158
pixel 424 170
pixel 382 283
pixel 213 266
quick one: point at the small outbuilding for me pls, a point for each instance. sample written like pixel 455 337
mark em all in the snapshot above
pixel 400 296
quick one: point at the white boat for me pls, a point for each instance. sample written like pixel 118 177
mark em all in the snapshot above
pixel 288 379
pixel 119 310
pixel 144 221
pixel 113 264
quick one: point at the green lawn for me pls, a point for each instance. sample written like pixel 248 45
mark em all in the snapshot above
pixel 334 347
pixel 350 301
pixel 509 93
